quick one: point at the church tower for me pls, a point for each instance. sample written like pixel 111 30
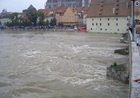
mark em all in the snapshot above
pixel 59 2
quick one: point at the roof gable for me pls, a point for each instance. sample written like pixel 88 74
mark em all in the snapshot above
pixel 69 11
pixel 31 7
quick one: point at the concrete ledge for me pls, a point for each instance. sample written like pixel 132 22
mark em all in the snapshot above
pixel 135 71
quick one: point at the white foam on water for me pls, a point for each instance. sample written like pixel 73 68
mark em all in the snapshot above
pixel 77 49
pixel 30 53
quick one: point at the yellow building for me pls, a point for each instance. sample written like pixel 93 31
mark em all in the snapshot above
pixel 67 16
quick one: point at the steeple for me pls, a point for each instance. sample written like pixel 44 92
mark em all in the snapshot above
pixel 59 2
pixel 31 7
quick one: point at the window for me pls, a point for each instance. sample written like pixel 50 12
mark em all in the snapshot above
pixel 118 29
pixel 108 19
pixel 100 19
pixel 116 24
pixel 92 24
pixel 100 24
pixel 108 24
pixel 101 29
pixel 91 28
pixel 117 19
pixel 92 19
pixel 96 24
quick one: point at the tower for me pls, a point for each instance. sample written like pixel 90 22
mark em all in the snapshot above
pixel 83 3
pixel 59 2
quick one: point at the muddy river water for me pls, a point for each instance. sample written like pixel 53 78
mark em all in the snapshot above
pixel 59 65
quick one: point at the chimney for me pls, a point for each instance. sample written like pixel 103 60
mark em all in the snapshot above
pixel 114 10
pixel 127 5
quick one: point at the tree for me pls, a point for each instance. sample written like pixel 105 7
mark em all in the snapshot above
pixel 61 24
pixel 8 24
pixel 26 23
pixel 47 23
pixel 32 16
pixel 41 18
pixel 14 18
pixel 53 22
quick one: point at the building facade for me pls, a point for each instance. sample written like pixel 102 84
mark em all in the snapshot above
pixel 68 17
pixel 108 16
pixel 107 24
pixel 69 3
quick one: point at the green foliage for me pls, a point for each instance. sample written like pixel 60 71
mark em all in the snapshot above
pixel 32 16
pixel 14 18
pixel 47 23
pixel 31 20
pixel 114 65
pixel 41 18
pixel 60 24
pixel 8 24
pixel 117 67
pixel 26 23
pixel 53 22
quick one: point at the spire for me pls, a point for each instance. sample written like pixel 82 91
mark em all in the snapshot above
pixel 31 7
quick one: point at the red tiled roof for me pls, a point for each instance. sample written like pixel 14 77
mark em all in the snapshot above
pixel 79 9
pixel 109 8
pixel 61 9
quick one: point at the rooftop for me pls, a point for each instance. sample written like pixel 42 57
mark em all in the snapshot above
pixel 109 8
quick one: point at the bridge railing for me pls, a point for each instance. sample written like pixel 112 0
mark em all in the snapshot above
pixel 134 68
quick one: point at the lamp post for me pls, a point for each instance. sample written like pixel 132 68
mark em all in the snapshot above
pixel 133 18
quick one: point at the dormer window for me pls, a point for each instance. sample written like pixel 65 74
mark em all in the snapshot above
pixel 100 14
pixel 117 9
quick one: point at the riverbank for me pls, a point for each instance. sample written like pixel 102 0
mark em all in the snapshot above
pixel 39 28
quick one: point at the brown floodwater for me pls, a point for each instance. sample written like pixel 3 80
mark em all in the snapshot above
pixel 59 65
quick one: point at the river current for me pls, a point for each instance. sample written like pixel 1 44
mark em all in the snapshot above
pixel 59 65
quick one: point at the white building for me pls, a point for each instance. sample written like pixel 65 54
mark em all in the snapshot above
pixel 4 20
pixel 108 16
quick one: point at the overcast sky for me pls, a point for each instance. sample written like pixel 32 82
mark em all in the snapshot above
pixel 19 5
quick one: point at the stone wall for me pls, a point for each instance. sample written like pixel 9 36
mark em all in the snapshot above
pixel 118 72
